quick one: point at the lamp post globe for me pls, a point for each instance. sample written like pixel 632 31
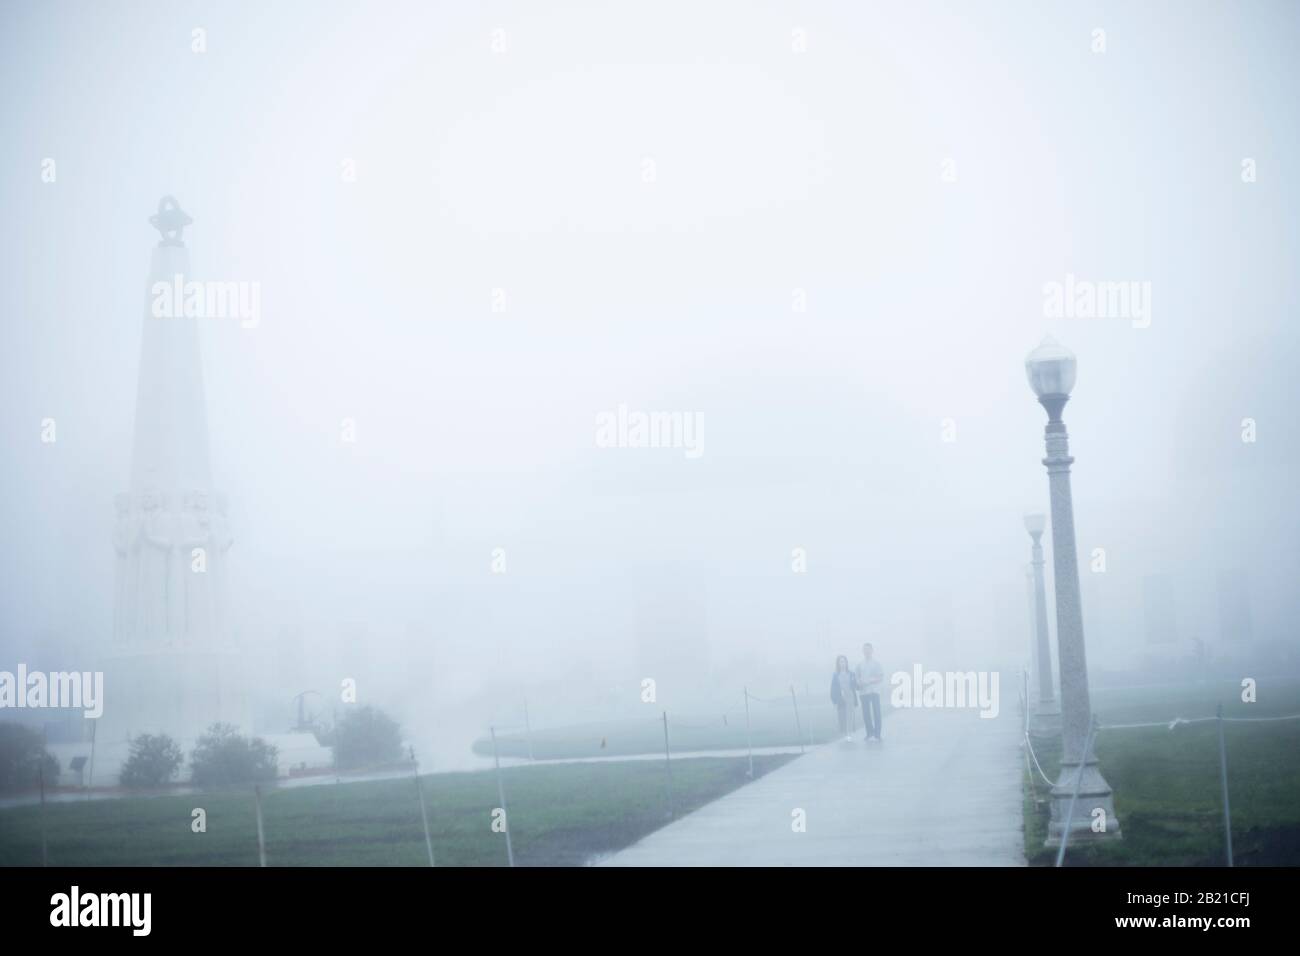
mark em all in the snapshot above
pixel 1052 369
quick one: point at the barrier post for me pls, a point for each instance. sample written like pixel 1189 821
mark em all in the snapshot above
pixel 45 853
pixel 807 696
pixel 1223 781
pixel 501 795
pixel 1029 769
pixel 334 732
pixel 798 725
pixel 668 766
pixel 528 728
pixel 424 816
pixel 749 740
pixel 90 773
pixel 261 833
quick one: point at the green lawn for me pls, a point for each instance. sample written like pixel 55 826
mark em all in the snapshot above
pixel 772 724
pixel 1166 782
pixel 560 815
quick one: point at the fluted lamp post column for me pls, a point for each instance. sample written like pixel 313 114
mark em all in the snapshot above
pixel 1051 369
pixel 1045 714
pixel 1032 694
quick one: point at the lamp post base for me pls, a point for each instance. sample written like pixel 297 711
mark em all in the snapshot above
pixel 1045 719
pixel 1094 818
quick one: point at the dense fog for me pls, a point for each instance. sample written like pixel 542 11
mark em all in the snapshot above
pixel 823 238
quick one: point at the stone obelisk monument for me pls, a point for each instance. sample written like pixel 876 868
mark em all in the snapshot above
pixel 173 666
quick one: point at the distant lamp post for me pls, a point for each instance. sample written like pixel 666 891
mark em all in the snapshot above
pixel 1051 369
pixel 1031 678
pixel 1045 712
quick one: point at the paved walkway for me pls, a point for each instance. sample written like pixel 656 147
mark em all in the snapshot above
pixel 942 790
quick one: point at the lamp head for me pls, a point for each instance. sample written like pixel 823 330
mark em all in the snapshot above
pixel 1051 370
pixel 1035 524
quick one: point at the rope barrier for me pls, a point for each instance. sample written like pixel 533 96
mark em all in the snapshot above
pixel 1167 724
pixel 1046 779
pixel 1171 724
pixel 1251 720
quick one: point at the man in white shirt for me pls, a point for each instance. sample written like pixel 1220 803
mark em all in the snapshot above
pixel 871 681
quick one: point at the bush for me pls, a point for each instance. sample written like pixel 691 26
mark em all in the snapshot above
pixel 365 738
pixel 22 757
pixel 222 756
pixel 153 762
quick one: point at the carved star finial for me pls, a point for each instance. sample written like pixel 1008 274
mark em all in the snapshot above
pixel 170 220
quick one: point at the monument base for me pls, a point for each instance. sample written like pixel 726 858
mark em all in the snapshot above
pixel 177 690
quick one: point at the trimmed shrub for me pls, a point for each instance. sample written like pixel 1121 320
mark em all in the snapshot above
pixel 223 756
pixel 154 760
pixel 366 737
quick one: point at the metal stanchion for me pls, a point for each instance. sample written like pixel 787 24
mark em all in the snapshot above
pixel 528 729
pixel 45 852
pixel 1223 780
pixel 1024 732
pixel 1033 784
pixel 668 766
pixel 749 740
pixel 424 816
pixel 334 732
pixel 797 723
pixel 261 833
pixel 808 697
pixel 501 795
pixel 90 772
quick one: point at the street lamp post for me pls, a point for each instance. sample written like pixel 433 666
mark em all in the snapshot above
pixel 1033 637
pixel 1051 369
pixel 1045 715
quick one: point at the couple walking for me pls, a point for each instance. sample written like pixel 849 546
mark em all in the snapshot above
pixel 863 682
